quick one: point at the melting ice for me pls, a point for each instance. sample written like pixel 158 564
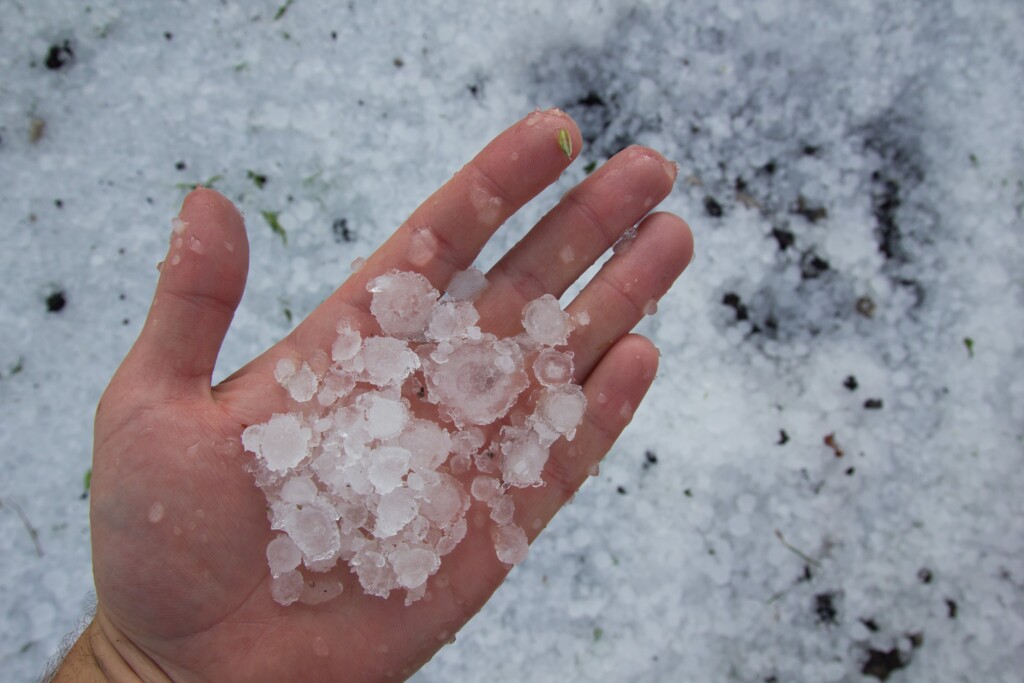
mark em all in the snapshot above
pixel 394 435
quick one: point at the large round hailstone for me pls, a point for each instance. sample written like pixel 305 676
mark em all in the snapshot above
pixel 522 457
pixel 402 303
pixel 546 322
pixel 479 380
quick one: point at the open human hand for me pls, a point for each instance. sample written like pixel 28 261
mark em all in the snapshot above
pixel 180 530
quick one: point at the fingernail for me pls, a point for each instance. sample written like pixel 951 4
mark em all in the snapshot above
pixel 671 169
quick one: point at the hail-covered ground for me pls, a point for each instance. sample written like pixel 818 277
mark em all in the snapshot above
pixel 825 481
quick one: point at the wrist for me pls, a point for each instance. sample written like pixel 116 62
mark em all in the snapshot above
pixel 103 653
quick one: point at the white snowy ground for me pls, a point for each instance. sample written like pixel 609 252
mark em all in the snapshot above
pixel 854 176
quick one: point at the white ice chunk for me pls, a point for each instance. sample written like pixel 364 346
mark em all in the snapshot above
pixel 283 555
pixel 510 544
pixel 347 344
pixel 402 303
pixel 413 565
pixel 466 285
pixel 502 509
pixel 282 443
pixel 284 369
pixel 443 501
pixel 287 587
pixel 485 488
pixel 387 360
pixel 314 532
pixel 545 321
pixel 302 385
pixel 388 466
pixel 452 319
pixel 384 418
pixel 522 456
pixel 562 408
pixel 299 491
pixel 428 442
pixel 394 511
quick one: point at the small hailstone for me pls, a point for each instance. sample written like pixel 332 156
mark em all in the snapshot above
pixel 384 418
pixel 510 544
pixel 314 532
pixel 502 508
pixel 562 408
pixel 287 587
pixel 284 369
pixel 394 511
pixel 358 263
pixel 522 456
pixel 283 555
pixel 387 360
pixel 545 321
pixel 402 303
pixel 651 307
pixel 413 565
pixel 299 491
pixel 282 443
pixel 466 285
pixel 485 489
pixel 302 385
pixel 428 442
pixel 553 367
pixel 178 226
pixel 347 343
pixel 388 466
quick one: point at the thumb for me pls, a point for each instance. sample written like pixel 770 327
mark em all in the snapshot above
pixel 201 282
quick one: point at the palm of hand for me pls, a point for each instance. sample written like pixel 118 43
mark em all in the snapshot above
pixel 179 529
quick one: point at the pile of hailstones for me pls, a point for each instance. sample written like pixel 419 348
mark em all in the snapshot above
pixel 357 473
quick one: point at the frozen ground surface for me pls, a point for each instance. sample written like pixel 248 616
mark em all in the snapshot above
pixel 853 172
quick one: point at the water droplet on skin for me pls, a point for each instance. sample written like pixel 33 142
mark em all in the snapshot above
pixel 175 260
pixel 320 647
pixel 358 263
pixel 178 242
pixel 422 247
pixel 177 531
pixel 195 245
pixel 602 399
pixel 156 512
pixel 229 246
pixel 488 207
pixel 515 156
pixel 626 411
pixel 566 254
pixel 651 307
